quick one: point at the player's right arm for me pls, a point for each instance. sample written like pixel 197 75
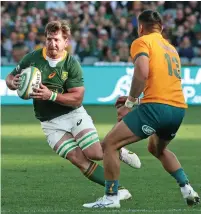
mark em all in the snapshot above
pixel 13 79
pixel 140 55
pixel 139 52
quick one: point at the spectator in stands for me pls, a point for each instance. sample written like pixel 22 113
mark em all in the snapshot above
pixel 192 20
pixel 74 41
pixel 3 50
pixel 83 47
pixel 59 6
pixel 195 7
pixel 107 54
pixel 180 19
pixel 185 49
pixel 19 50
pixel 31 41
pixel 103 34
pixel 104 23
pixel 40 39
pixel 124 52
pixel 98 51
pixel 178 35
pixel 197 48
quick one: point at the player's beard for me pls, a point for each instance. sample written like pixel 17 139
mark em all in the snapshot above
pixel 53 53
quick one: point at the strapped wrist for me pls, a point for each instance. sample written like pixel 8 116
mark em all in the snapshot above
pixel 130 104
pixel 53 96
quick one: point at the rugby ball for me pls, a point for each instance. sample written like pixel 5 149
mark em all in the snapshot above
pixel 29 78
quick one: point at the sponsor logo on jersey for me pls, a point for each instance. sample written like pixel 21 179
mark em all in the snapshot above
pixel 148 130
pixel 52 75
pixel 64 75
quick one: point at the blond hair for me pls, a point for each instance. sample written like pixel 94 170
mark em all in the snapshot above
pixel 55 26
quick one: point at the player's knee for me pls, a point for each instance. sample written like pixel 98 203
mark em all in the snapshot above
pixel 96 156
pixel 71 156
pixel 94 153
pixel 156 152
pixel 108 144
pixel 74 157
pixel 105 145
pixel 152 149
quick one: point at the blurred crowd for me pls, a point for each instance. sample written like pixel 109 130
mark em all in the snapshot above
pixel 101 31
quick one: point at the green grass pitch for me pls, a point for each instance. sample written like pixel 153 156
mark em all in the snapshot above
pixel 36 180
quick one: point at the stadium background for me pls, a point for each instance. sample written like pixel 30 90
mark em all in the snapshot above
pixel 34 179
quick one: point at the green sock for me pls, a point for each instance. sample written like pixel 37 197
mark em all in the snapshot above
pixel 181 177
pixel 95 173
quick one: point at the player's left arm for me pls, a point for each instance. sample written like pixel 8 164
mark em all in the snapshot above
pixel 75 87
pixel 74 97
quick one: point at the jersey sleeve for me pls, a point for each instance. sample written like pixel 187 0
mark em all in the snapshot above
pixel 138 48
pixel 75 76
pixel 24 63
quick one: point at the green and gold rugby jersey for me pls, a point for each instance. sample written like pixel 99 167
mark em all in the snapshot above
pixel 65 75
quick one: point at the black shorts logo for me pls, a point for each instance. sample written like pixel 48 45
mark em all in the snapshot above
pixel 79 122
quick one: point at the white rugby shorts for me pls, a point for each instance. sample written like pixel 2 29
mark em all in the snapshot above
pixel 74 122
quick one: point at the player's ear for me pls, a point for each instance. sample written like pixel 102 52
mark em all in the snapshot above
pixel 66 43
pixel 140 29
pixel 162 28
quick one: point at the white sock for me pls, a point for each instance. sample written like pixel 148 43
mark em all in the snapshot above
pixel 113 197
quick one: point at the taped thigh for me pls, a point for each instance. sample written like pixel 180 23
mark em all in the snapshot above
pixel 63 146
pixel 84 130
pixel 86 138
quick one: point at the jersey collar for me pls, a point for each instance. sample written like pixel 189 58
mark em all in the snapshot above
pixel 157 34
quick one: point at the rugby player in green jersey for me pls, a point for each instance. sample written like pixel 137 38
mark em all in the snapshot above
pixel 69 130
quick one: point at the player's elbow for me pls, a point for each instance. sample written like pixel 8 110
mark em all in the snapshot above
pixel 143 73
pixel 78 100
pixel 77 95
pixel 8 82
pixel 145 76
